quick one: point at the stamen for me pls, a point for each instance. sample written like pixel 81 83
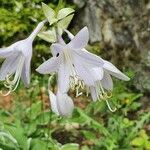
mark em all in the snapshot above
pixel 87 91
pixel 112 110
pixel 16 84
pixel 82 84
pixel 104 95
pixel 13 84
pixel 1 92
pixel 75 82
pixel 77 92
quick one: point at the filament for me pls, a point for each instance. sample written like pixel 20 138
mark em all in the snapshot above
pixel 104 95
pixel 109 107
pixel 12 85
pixel 1 92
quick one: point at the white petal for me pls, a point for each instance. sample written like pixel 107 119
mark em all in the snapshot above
pixel 25 47
pixel 80 40
pixel 63 78
pixel 25 76
pixel 9 66
pixel 57 49
pixel 37 30
pixel 70 35
pixel 48 66
pixel 93 93
pixel 83 71
pixel 6 52
pixel 89 57
pixel 60 40
pixel 107 82
pixel 114 71
pixel 85 54
pixel 65 104
pixel 53 102
pixel 97 73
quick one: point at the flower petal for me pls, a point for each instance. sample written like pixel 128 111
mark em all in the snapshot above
pixel 6 52
pixel 98 73
pixel 93 93
pixel 83 71
pixel 85 54
pixel 60 40
pixel 70 35
pixel 80 40
pixel 53 102
pixel 63 78
pixel 49 66
pixel 65 104
pixel 107 82
pixel 114 71
pixel 57 48
pixel 25 76
pixel 91 58
pixel 9 66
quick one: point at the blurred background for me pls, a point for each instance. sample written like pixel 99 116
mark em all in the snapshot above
pixel 120 33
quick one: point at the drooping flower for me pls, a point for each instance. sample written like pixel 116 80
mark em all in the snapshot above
pixel 61 103
pixel 102 88
pixel 77 68
pixel 72 64
pixel 17 61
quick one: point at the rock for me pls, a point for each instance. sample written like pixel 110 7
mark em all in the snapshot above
pixel 123 28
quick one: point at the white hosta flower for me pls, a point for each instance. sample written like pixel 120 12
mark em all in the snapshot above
pixel 81 69
pixel 61 104
pixel 72 64
pixel 98 90
pixel 17 61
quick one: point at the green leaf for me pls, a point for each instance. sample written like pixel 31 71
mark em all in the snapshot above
pixel 64 13
pixel 19 135
pixel 139 141
pixel 38 144
pixel 9 136
pixel 147 145
pixel 85 147
pixel 7 147
pixel 89 135
pixel 70 146
pixel 34 110
pixel 49 13
pixel 64 23
pixel 49 35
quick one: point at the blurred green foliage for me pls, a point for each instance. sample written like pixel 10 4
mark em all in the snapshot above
pixel 30 125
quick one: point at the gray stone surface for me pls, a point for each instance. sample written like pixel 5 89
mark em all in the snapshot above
pixel 123 27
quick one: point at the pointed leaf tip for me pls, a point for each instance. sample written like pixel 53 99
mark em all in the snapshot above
pixel 64 13
pixel 49 13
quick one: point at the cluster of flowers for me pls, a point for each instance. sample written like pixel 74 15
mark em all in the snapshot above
pixel 76 68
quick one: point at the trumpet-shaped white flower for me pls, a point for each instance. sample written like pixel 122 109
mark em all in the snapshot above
pixel 72 64
pixel 17 61
pixel 77 68
pixel 108 69
pixel 98 90
pixel 61 103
